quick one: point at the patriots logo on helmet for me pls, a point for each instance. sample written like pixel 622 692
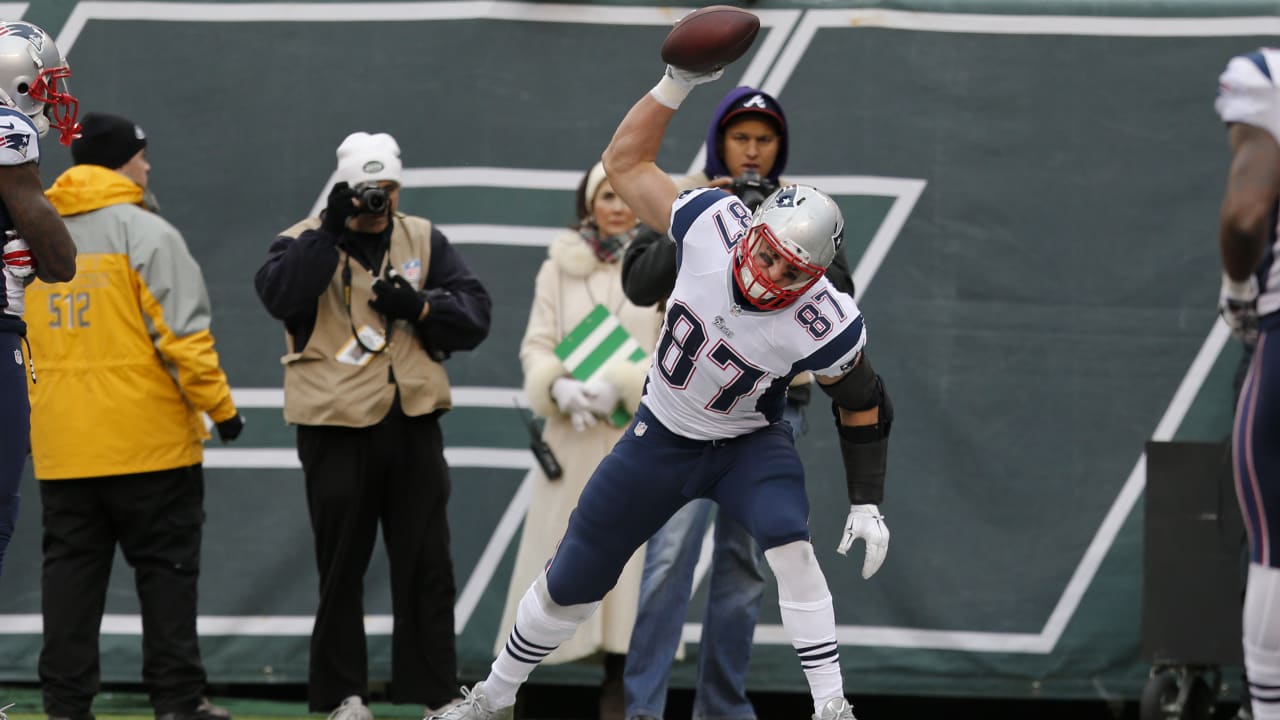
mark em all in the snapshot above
pixel 16 142
pixel 24 30
pixel 786 197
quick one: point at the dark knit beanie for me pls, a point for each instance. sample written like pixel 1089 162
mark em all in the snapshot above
pixel 106 140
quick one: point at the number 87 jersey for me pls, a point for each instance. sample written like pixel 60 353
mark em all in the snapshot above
pixel 722 366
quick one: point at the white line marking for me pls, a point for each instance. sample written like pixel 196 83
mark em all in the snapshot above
pixel 287 458
pixel 503 534
pixel 1046 24
pixel 464 396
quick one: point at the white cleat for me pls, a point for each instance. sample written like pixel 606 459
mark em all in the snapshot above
pixel 474 706
pixel 836 709
pixel 6 707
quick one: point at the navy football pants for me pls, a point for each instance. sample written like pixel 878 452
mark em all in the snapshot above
pixel 1256 452
pixel 15 431
pixel 757 479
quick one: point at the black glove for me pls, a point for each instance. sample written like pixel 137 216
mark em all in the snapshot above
pixel 230 428
pixel 395 297
pixel 340 207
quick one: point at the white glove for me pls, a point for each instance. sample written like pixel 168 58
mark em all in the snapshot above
pixel 602 397
pixel 1238 305
pixel 866 522
pixel 676 84
pixel 570 395
pixel 582 419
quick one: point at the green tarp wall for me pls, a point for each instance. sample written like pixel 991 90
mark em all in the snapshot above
pixel 1031 193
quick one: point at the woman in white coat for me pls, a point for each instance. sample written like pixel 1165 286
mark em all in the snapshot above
pixel 583 270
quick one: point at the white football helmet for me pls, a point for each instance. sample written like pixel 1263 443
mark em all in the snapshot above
pixel 799 226
pixel 33 77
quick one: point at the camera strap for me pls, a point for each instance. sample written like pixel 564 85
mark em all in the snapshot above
pixel 346 300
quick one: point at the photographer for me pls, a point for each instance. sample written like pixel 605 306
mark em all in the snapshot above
pixel 373 301
pixel 746 152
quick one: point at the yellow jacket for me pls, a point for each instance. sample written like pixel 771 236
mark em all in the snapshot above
pixel 124 358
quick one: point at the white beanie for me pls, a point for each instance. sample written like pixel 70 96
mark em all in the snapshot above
pixel 595 178
pixel 368 158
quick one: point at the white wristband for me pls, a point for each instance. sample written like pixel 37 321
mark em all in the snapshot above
pixel 1238 288
pixel 670 92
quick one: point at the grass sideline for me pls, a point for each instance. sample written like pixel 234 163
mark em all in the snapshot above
pixel 136 706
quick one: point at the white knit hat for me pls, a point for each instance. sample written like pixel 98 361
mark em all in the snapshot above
pixel 368 158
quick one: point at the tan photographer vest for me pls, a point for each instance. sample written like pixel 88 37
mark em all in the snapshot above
pixel 321 389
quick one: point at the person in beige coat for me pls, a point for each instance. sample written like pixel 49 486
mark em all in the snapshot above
pixel 583 270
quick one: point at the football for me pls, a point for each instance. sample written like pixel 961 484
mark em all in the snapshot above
pixel 710 38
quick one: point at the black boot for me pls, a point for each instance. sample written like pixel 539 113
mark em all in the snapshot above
pixel 613 704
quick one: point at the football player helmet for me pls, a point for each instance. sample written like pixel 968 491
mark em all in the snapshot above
pixel 33 76
pixel 799 226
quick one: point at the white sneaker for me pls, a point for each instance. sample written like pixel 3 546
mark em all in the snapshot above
pixel 836 709
pixel 474 706
pixel 352 708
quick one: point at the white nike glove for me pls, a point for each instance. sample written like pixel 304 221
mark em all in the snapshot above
pixel 676 84
pixel 866 522
pixel 570 395
pixel 602 397
pixel 582 419
pixel 1238 305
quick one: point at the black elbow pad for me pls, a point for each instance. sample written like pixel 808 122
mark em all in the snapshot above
pixel 859 389
pixel 865 450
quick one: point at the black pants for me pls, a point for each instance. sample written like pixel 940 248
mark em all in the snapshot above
pixel 156 519
pixel 393 472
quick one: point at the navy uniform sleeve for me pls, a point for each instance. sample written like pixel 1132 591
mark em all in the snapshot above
pixel 296 273
pixel 460 307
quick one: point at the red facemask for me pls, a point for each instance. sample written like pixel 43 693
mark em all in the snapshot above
pixel 753 278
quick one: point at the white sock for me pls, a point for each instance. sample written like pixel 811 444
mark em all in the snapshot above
pixel 1262 640
pixel 541 625
pixel 812 627
pixel 809 618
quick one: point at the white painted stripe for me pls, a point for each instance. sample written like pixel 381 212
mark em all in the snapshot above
pixel 884 636
pixel 1044 24
pixel 287 459
pixel 464 396
pixel 492 177
pixel 1123 505
pixel 15 10
pixel 514 235
pixel 881 636
pixel 499 540
pixel 384 12
pixel 300 625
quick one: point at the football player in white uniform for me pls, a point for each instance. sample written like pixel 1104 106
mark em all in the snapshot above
pixel 751 308
pixel 1249 102
pixel 33 97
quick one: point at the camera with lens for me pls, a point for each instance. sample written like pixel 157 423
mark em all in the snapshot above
pixel 752 189
pixel 371 198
